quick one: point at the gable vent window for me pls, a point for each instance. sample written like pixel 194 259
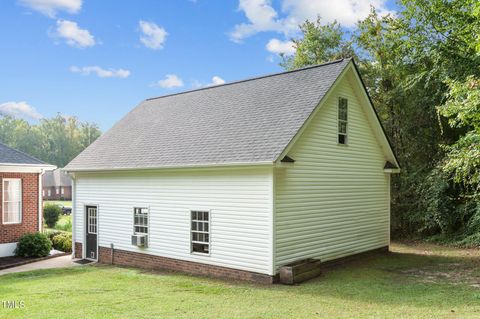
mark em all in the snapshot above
pixel 342 120
pixel 200 231
pixel 140 220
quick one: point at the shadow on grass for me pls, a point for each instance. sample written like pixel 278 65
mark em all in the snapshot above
pixel 402 278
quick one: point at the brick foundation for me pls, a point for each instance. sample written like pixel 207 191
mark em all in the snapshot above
pixel 146 261
pixel 78 250
pixel 11 233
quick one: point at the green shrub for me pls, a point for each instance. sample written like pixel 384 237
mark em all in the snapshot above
pixel 62 242
pixel 65 224
pixel 51 213
pixel 33 245
pixel 50 233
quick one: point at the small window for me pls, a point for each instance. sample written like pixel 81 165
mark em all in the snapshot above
pixel 342 120
pixel 57 191
pixel 200 231
pixel 43 193
pixel 12 201
pixel 92 220
pixel 62 190
pixel 49 192
pixel 140 220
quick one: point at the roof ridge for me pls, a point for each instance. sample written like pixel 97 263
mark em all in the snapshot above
pixel 251 79
pixel 21 152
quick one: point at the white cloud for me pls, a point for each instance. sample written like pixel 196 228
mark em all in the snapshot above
pixel 263 17
pixel 51 7
pixel 100 72
pixel 153 36
pixel 73 34
pixel 278 47
pixel 20 110
pixel 171 81
pixel 346 12
pixel 216 80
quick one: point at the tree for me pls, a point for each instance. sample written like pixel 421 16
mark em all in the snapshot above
pixel 416 67
pixel 56 141
pixel 320 43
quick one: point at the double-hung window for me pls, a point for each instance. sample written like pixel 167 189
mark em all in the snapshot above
pixel 342 120
pixel 140 220
pixel 200 231
pixel 12 200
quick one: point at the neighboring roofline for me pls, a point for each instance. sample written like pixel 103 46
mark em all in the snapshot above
pixel 192 166
pixel 250 79
pixel 27 155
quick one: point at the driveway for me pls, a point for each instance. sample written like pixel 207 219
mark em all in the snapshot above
pixel 57 262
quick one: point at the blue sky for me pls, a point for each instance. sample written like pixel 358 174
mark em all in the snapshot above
pixel 98 59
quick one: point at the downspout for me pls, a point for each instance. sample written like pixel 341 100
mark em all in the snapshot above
pixel 74 204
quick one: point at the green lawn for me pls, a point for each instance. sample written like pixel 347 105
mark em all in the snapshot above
pixel 66 203
pixel 415 281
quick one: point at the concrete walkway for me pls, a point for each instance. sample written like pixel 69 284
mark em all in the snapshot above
pixel 57 262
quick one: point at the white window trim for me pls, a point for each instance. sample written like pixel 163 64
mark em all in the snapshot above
pixel 3 201
pixel 346 134
pixel 209 232
pixel 147 208
pixel 89 221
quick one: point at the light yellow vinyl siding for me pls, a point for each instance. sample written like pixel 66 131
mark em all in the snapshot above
pixel 239 199
pixel 334 201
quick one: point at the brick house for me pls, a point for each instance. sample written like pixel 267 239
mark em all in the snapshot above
pixel 57 185
pixel 20 210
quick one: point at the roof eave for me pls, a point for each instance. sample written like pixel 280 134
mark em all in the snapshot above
pixel 195 166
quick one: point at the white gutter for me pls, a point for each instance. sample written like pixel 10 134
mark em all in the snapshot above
pixel 213 165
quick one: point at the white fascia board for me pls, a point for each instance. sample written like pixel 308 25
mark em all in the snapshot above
pixel 191 167
pixel 24 168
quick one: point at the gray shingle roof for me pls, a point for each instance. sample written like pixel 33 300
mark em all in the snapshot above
pixel 9 155
pixel 241 122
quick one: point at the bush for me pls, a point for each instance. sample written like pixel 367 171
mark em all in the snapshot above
pixel 50 233
pixel 62 242
pixel 65 224
pixel 51 213
pixel 33 245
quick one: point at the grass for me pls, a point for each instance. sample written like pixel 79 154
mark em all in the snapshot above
pixel 66 203
pixel 64 223
pixel 414 281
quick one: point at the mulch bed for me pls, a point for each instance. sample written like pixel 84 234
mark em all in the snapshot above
pixel 13 261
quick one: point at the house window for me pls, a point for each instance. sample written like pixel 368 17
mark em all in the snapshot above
pixel 49 192
pixel 140 220
pixel 62 190
pixel 342 120
pixel 43 193
pixel 92 220
pixel 57 191
pixel 12 201
pixel 200 231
